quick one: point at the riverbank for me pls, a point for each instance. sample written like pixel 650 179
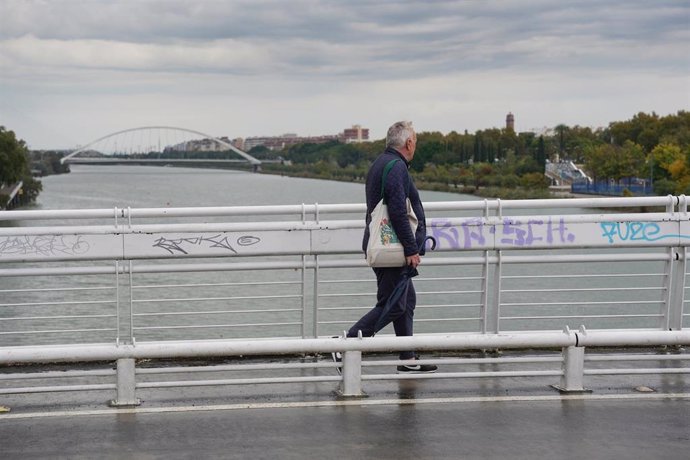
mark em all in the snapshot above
pixel 10 195
pixel 517 193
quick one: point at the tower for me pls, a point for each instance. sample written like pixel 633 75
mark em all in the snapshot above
pixel 510 121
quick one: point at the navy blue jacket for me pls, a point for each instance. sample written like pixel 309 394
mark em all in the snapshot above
pixel 399 187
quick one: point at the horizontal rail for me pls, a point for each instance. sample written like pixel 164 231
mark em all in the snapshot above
pixel 645 371
pixel 58 374
pixel 479 205
pixel 201 348
pixel 249 381
pixel 354 224
pixel 340 263
pixel 456 375
pixel 57 389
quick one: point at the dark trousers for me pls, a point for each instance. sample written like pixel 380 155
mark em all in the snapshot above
pixel 401 314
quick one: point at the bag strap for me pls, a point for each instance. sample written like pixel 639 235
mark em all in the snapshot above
pixel 386 170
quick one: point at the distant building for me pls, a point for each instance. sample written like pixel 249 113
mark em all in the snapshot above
pixel 286 140
pixel 199 145
pixel 355 134
pixel 510 122
pixel 238 143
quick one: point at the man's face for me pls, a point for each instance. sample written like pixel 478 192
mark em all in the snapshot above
pixel 412 144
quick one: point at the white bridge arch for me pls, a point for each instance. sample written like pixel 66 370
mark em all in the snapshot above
pixel 73 157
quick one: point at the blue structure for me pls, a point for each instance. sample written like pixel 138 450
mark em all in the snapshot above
pixel 634 185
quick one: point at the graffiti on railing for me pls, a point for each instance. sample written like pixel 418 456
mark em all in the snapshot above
pixel 535 231
pixel 183 245
pixel 448 236
pixel 636 231
pixel 44 245
pixel 471 233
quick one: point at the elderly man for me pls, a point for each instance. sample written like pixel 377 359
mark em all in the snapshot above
pixel 401 142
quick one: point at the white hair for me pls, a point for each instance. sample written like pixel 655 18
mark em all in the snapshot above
pixel 399 133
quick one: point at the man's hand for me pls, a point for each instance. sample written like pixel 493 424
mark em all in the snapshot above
pixel 413 261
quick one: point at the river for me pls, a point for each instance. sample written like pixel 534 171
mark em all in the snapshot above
pixel 149 186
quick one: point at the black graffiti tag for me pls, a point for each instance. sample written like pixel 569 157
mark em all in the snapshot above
pixel 177 246
pixel 44 245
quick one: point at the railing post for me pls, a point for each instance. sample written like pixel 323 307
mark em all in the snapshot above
pixel 125 307
pixel 573 371
pixel 131 303
pixel 315 316
pixel 351 385
pixel 674 318
pixel 118 311
pixel 491 295
pixel 303 314
pixel 496 299
pixel 485 295
pixel 668 286
pixel 126 384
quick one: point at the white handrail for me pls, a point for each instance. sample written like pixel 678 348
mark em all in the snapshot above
pixel 208 348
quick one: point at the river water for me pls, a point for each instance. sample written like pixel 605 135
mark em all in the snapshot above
pixel 151 186
pixel 34 313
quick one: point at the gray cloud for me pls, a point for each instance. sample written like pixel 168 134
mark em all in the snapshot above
pixel 290 53
pixel 309 35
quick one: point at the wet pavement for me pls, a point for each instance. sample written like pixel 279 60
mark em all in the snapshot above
pixel 566 429
pixel 633 416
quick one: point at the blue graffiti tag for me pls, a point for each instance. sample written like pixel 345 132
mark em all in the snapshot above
pixel 635 231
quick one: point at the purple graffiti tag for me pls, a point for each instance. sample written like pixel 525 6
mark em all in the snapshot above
pixel 561 230
pixel 448 237
pixel 513 232
pixel 473 230
pixel 523 237
pixel 444 234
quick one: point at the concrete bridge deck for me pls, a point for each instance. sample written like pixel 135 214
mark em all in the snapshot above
pixel 584 427
pixel 520 418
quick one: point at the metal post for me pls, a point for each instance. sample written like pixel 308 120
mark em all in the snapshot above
pixel 496 300
pixel 126 384
pixel 675 312
pixel 117 302
pixel 665 307
pixel 315 326
pixel 303 326
pixel 351 385
pixel 573 371
pixel 485 294
pixel 131 304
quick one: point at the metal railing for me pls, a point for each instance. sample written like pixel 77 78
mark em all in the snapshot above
pixel 72 281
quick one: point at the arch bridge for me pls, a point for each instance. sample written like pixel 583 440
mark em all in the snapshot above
pixel 160 145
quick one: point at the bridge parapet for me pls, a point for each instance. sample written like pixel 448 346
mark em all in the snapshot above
pixel 77 281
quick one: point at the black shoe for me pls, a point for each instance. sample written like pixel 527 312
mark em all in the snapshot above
pixel 337 359
pixel 417 368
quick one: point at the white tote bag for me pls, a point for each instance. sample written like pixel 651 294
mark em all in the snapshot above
pixel 384 248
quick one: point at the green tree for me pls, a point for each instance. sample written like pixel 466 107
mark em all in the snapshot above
pixel 631 161
pixel 14 157
pixel 14 166
pixel 661 158
pixel 535 181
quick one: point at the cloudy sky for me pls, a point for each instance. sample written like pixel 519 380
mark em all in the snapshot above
pixel 74 70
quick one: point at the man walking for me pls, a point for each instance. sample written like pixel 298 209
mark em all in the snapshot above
pixel 401 142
